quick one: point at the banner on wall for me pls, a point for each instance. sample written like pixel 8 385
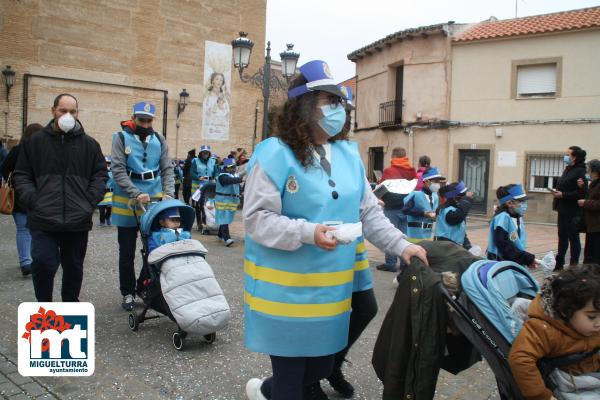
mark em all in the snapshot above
pixel 217 91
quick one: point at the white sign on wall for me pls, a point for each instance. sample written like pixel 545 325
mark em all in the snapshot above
pixel 507 158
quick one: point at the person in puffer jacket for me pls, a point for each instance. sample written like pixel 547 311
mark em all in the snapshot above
pixel 169 231
pixel 59 178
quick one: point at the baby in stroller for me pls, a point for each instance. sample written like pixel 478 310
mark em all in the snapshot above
pixel 176 280
pixel 564 320
pixel 168 229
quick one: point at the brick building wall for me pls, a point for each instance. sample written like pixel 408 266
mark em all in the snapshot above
pixel 155 44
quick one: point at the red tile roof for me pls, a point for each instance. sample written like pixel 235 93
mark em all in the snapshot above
pixel 352 83
pixel 561 21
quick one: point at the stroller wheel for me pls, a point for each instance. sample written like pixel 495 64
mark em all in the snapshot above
pixel 178 341
pixel 132 319
pixel 210 338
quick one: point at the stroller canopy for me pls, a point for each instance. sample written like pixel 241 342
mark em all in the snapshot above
pixel 491 284
pixel 149 221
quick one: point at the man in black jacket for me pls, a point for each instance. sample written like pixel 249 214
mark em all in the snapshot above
pixel 60 177
pixel 187 176
pixel 566 195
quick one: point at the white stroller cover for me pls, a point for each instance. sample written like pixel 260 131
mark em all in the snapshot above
pixel 190 288
pixel 209 212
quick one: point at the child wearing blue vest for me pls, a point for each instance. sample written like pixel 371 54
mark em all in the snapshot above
pixel 203 171
pixel 452 214
pixel 508 237
pixel 420 206
pixel 227 199
pixel 169 229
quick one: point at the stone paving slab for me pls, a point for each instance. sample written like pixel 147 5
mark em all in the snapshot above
pixel 145 365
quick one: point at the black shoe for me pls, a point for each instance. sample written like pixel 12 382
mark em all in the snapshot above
pixel 26 269
pixel 340 384
pixel 385 267
pixel 314 392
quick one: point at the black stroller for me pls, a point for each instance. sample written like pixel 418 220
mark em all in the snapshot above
pixel 491 343
pixel 149 283
pixel 207 191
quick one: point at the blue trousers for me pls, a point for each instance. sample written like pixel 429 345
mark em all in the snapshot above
pixel 23 239
pixel 400 221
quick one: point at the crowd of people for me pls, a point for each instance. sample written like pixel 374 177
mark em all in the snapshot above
pixel 307 294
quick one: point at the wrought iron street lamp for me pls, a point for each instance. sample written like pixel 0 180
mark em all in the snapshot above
pixel 184 97
pixel 242 49
pixel 8 76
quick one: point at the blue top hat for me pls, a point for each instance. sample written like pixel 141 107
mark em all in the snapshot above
pixel 431 173
pixel 460 189
pixel 514 193
pixel 144 109
pixel 347 92
pixel 228 162
pixel 172 212
pixel 318 77
pixel 205 147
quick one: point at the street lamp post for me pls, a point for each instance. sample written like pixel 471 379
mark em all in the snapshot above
pixel 242 49
pixel 181 104
pixel 8 76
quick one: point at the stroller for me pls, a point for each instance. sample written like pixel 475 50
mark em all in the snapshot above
pixel 176 281
pixel 482 313
pixel 207 192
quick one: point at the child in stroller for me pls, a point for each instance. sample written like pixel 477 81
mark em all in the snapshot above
pixel 565 319
pixel 175 279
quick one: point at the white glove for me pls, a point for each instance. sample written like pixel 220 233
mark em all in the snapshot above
pixel 345 233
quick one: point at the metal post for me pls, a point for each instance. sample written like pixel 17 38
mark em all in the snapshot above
pixel 255 125
pixel 266 92
pixel 177 138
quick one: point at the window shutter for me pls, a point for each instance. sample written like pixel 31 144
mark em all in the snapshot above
pixel 536 79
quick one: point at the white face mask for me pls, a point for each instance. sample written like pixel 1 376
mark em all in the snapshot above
pixel 66 122
pixel 434 187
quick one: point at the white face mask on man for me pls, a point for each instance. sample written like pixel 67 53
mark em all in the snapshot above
pixel 434 187
pixel 66 122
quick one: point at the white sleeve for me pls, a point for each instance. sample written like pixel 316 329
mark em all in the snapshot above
pixel 377 228
pixel 262 215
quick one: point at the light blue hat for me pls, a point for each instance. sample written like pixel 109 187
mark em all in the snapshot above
pixel 144 109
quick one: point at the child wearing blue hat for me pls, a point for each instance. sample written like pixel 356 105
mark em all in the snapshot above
pixel 420 206
pixel 227 199
pixel 452 214
pixel 508 237
pixel 168 229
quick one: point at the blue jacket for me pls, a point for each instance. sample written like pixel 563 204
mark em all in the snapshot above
pixel 166 235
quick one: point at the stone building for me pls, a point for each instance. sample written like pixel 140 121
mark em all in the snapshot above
pixel 113 53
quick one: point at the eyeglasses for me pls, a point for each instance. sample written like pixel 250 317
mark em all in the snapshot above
pixel 332 100
pixel 144 120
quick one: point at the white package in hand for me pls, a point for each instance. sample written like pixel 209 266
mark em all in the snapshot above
pixel 548 262
pixel 346 233
pixel 475 250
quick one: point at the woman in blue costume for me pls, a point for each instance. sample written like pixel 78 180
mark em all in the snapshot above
pixel 298 278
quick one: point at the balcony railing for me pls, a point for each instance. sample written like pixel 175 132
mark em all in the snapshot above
pixel 390 114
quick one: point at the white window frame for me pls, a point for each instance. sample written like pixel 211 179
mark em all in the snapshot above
pixel 550 164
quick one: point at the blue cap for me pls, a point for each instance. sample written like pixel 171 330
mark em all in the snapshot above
pixel 460 189
pixel 431 173
pixel 205 147
pixel 514 193
pixel 228 162
pixel 347 91
pixel 144 109
pixel 172 212
pixel 318 77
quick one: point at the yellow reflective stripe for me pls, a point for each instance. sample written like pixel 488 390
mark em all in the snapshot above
pixel 122 211
pixel 360 265
pixel 296 310
pixel 360 248
pixel 125 200
pixel 285 278
pixel 226 206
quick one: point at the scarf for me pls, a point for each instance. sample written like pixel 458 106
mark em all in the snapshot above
pixel 401 162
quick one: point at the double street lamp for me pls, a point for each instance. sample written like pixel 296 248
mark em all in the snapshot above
pixel 242 49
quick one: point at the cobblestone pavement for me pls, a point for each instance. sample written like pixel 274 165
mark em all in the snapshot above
pixel 144 364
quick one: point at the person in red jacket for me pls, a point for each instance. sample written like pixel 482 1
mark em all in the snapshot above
pixel 424 164
pixel 400 168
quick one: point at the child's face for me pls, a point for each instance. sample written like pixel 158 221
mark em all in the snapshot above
pixel 586 321
pixel 171 223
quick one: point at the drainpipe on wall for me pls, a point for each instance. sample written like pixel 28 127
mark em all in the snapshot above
pixel 411 143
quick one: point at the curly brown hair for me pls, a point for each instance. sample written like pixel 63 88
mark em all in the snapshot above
pixel 296 124
pixel 574 287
